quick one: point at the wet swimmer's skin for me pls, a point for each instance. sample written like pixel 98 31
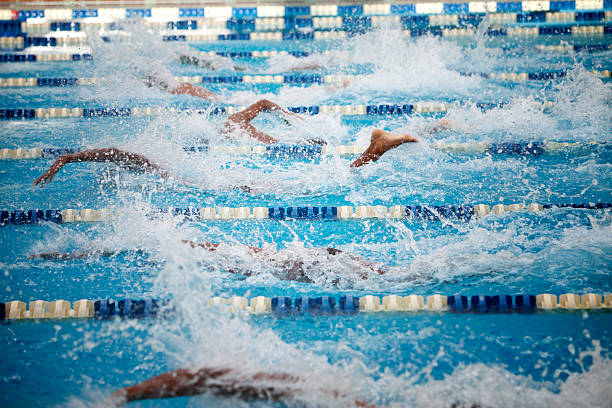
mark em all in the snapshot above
pixel 204 63
pixel 381 142
pixel 289 262
pixel 184 88
pixel 226 382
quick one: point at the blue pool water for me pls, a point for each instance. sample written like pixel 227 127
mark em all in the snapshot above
pixel 395 359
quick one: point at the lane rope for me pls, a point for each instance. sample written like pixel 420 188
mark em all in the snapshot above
pixel 358 110
pixel 314 151
pixel 47 57
pixel 343 212
pixel 303 15
pixel 281 305
pixel 278 150
pixel 294 79
pixel 21 43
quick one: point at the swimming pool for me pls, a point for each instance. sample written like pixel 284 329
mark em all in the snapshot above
pixel 434 358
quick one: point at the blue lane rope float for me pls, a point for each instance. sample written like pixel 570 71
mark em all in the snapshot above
pixel 463 213
pixel 46 57
pixel 104 309
pixel 359 110
pixel 294 79
pixel 280 150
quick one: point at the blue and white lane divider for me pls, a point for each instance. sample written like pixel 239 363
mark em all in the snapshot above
pixel 281 305
pixel 565 30
pixel 462 213
pixel 248 24
pixel 46 57
pixel 294 79
pixel 360 110
pixel 279 150
pixel 528 10
pixel 430 15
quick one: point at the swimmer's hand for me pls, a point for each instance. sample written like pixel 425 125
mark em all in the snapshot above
pixel 48 175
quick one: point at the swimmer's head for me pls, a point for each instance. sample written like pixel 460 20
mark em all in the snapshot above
pixel 154 82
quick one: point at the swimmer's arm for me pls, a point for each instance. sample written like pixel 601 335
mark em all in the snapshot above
pixel 370 265
pixel 341 85
pixel 212 246
pixel 179 383
pixel 130 161
pixel 194 90
pixel 74 255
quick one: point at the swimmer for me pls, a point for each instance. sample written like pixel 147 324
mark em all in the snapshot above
pixel 172 86
pixel 161 78
pixel 209 62
pixel 225 382
pixel 289 264
pixel 380 142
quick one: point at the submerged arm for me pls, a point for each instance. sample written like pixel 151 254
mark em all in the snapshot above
pixel 367 264
pixel 73 255
pixel 179 383
pixel 130 161
pixel 212 246
pixel 194 90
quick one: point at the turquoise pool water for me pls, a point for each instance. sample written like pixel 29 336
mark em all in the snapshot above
pixel 397 359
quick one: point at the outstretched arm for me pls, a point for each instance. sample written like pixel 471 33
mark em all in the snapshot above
pixel 212 246
pixel 194 90
pixel 217 381
pixel 243 118
pixel 130 161
pixel 74 255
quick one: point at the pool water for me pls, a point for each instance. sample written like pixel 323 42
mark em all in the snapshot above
pixel 396 359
